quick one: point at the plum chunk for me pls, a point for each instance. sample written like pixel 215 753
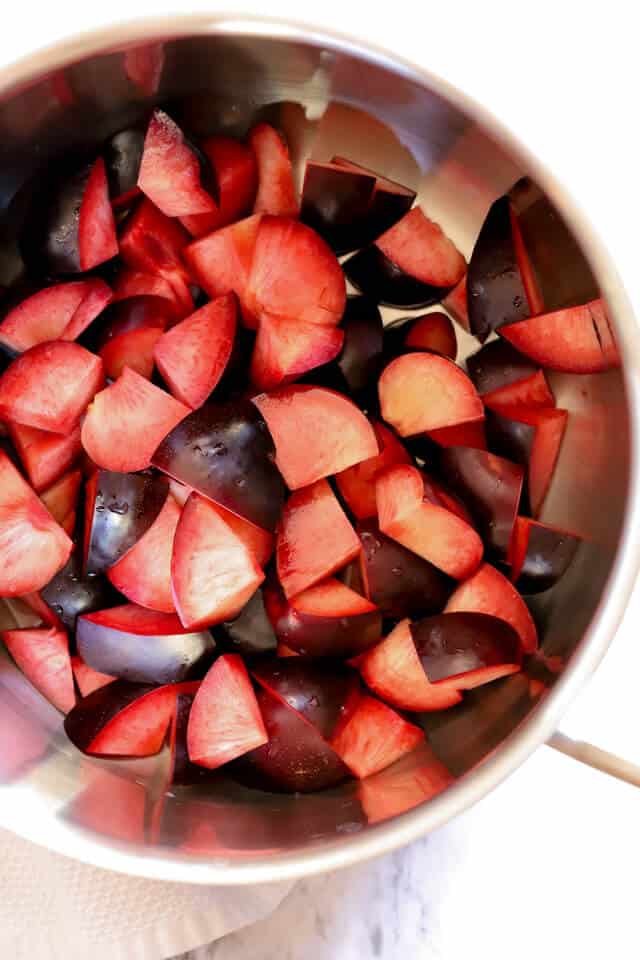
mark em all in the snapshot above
pixel 235 167
pixel 123 153
pixel 335 202
pixel 498 364
pixel 373 737
pixel 226 453
pixel 357 484
pixel 276 191
pixel 540 555
pixel 60 312
pixel 466 649
pixel 488 591
pixel 43 656
pixel 69 594
pixel 533 391
pixel 286 349
pixel 433 332
pixel 45 456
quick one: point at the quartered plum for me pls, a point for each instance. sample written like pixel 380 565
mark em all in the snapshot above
pixel 276 191
pixel 357 484
pixel 236 171
pixel 498 364
pixel 466 649
pixel 60 312
pixel 44 456
pixel 70 594
pixel 540 555
pixel 216 449
pixel 432 331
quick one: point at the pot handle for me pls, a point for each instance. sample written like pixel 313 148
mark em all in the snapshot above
pixel 601 727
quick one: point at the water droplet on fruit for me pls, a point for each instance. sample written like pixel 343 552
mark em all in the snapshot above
pixel 119 507
pixel 218 450
pixel 241 482
pixel 397 571
pixel 517 302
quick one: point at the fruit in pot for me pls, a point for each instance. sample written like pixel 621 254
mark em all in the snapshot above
pixel 276 191
pixel 123 153
pixel 60 312
pixel 357 484
pixel 540 555
pixel 69 594
pixel 235 167
pixel 488 591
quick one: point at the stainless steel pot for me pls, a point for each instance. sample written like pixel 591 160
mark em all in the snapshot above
pixel 328 94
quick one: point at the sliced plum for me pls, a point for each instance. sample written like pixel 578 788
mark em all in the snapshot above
pixel 134 349
pixel 317 432
pixel 182 771
pixel 574 340
pixel 496 365
pixel 60 312
pixel 465 650
pixel 42 654
pixel 45 456
pixel 433 331
pixel 236 171
pixel 119 509
pixel 531 436
pixel 225 720
pixel 221 261
pixel 49 386
pixel 533 391
pixel 314 538
pixel 213 574
pixel 496 293
pixel 373 737
pixel 251 632
pixel 276 190
pixel 143 573
pixel 33 547
pixel 488 591
pixel 326 620
pixel 490 487
pixel 378 278
pixel 153 290
pixel 69 594
pixel 397 580
pixel 286 349
pixel 455 303
pixel 61 498
pixel 97 240
pixel 126 422
pixel 88 680
pixel 167 655
pixel 151 243
pixel 426 527
pixel 422 391
pixel 335 202
pixel 357 484
pixel 216 449
pixel 170 172
pixel 123 153
pixel 192 356
pixel 540 555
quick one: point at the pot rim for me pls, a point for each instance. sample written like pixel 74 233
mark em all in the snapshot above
pixel 350 849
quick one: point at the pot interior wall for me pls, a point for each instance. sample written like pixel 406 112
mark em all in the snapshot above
pixel 326 102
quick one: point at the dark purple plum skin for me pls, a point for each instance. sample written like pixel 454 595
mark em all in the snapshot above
pixel 495 291
pixel 400 583
pixel 251 633
pixel 49 240
pixel 513 441
pixel 549 554
pixel 335 203
pixel 378 277
pixel 122 156
pixel 70 594
pixel 296 759
pixel 319 690
pixel 183 771
pixel 236 377
pixel 154 659
pixel 498 364
pixel 126 505
pixel 455 643
pixel 490 487
pixel 339 636
pixel 226 453
pixel 92 713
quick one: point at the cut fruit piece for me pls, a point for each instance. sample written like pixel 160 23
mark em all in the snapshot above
pixel 374 737
pixel 394 672
pixel 260 543
pixel 496 294
pixel 212 572
pixel 136 312
pixel 45 456
pixel 138 653
pixel 49 386
pixel 468 434
pixel 420 248
pixel 134 349
pixel 216 449
pixel 154 289
pixel 398 581
pixel 61 499
pixel 294 274
pixel 32 545
pixel 433 332
pixel 422 391
pixel 192 356
pixel 170 170
pixel 540 555
pixel 498 365
pixel 455 303
pixel 390 793
pixel 286 349
pixel 276 191
pixel 152 243
pixel 123 719
pixel 317 432
pixel 126 422
pixel 225 720
pixel 43 656
pixel 97 240
pixel 123 153
pixel 131 618
pixel 488 591
pixel 88 680
pixel 221 262
pixel 70 594
pixel 296 759
pixel 490 487
pixel 465 650
pixel 119 509
pixel 181 770
pixel 143 574
pixel 314 539
pixel 428 529
pixel 236 171
pixel 574 340
pixel 327 620
pixel 357 484
pixel 379 278
pixel 251 632
pixel 532 437
pixel 532 392
pixel 60 312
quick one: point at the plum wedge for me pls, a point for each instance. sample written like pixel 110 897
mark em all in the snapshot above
pixel 276 191
pixel 540 555
pixel 60 312
pixel 43 656
pixel 357 484
pixel 488 591
pixel 236 171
